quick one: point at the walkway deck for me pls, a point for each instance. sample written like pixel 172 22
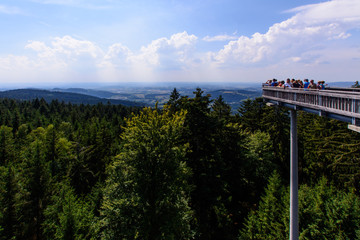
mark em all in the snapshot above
pixel 339 103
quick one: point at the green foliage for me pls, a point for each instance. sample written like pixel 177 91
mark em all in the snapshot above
pixel 38 157
pixel 68 217
pixel 146 196
pixel 34 195
pixel 171 175
pixel 260 150
pixel 268 221
pixel 327 213
pixel 69 97
pixel 328 149
pixel 324 213
pixel 6 145
pixel 8 189
pixel 207 140
pixel 254 116
pixel 221 109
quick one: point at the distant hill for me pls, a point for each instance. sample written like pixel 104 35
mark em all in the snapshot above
pixel 127 96
pixel 235 97
pixel 90 92
pixel 74 98
pixel 340 84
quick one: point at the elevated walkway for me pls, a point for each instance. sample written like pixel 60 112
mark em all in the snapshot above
pixel 338 103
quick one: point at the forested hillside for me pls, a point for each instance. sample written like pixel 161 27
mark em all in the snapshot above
pixel 67 97
pixel 191 170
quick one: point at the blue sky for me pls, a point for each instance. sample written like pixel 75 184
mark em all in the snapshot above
pixel 114 41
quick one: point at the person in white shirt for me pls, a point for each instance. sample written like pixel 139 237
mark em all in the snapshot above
pixel 288 84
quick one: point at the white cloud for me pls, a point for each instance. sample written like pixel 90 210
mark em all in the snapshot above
pixel 67 56
pixel 312 44
pixel 346 11
pixel 219 38
pixel 66 52
pixel 167 54
pixel 311 27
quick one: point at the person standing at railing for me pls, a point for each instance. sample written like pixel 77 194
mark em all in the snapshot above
pixel 306 83
pixel 268 82
pixel 297 84
pixel 312 85
pixel 321 85
pixel 356 85
pixel 274 83
pixel 288 84
pixel 281 84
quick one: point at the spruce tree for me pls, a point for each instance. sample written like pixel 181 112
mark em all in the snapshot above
pixel 146 196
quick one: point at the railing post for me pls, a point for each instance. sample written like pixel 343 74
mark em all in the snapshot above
pixel 294 201
pixel 353 107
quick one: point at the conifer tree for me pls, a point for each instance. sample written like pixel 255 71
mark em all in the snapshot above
pixel 34 196
pixel 324 213
pixel 68 217
pixel 146 196
pixel 268 221
pixel 221 109
pixel 8 190
pixel 6 145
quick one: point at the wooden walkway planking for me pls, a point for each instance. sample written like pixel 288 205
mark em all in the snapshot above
pixel 339 103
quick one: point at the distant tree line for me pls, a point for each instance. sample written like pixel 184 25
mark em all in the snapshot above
pixel 191 170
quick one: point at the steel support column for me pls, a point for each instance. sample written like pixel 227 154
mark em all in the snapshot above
pixel 294 201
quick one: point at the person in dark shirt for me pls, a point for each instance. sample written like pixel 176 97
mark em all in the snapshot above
pixel 312 85
pixel 296 84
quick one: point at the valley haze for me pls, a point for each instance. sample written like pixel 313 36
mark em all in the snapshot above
pixel 141 94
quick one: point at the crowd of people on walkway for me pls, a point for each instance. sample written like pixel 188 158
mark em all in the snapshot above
pixel 306 84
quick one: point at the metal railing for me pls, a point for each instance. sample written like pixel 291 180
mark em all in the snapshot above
pixel 340 101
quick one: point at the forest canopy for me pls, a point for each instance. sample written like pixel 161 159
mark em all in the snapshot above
pixel 191 170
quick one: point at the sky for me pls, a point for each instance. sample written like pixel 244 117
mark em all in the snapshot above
pixel 57 42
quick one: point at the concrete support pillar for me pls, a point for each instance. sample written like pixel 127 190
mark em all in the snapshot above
pixel 294 200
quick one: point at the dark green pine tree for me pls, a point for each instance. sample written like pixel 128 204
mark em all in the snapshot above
pixel 34 196
pixel 8 191
pixel 269 221
pixel 221 109
pixel 210 162
pixel 174 100
pixel 251 114
pixel 324 213
pixel 7 154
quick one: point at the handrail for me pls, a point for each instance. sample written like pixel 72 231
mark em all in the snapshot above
pixel 339 101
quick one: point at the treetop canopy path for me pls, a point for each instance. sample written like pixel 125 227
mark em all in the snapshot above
pixel 339 103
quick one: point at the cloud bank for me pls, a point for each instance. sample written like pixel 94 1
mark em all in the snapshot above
pixel 312 43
